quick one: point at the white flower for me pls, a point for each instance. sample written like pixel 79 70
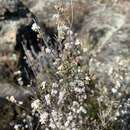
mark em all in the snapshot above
pixel 61 96
pixel 61 80
pixel 115 118
pixel 67 123
pixel 43 84
pixel 72 84
pixel 77 42
pixel 119 94
pixel 73 124
pixel 123 111
pixel 74 128
pixel 26 126
pixel 53 92
pixel 73 109
pixel 43 117
pixel 60 67
pixel 35 27
pixel 54 85
pixel 17 72
pixel 79 90
pixel 117 113
pixel 14 57
pixel 79 69
pixel 110 71
pixel 55 16
pixel 61 31
pixel 24 120
pixel 20 81
pixel 12 99
pixel 68 46
pixel 20 103
pixel 52 125
pixel 16 127
pixel 35 104
pixel 57 61
pixel 70 118
pixel 48 50
pixel 118 85
pixel 87 78
pixel 114 90
pixel 47 98
pixel 85 49
pixel 82 109
pixel 69 32
pixel 62 28
pixel 54 114
pixel 75 103
pixel 80 82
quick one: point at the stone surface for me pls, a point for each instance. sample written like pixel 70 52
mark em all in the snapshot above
pixel 108 31
pixel 12 15
pixel 6 113
pixel 18 92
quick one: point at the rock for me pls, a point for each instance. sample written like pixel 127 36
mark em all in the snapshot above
pixel 6 113
pixel 12 8
pixel 107 29
pixel 10 5
pixel 20 93
pixel 10 114
pixel 8 35
pixel 13 15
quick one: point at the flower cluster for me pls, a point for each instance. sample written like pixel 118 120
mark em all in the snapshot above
pixel 62 102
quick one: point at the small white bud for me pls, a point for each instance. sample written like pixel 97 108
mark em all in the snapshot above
pixel 43 85
pixel 47 98
pixel 48 50
pixel 114 90
pixel 35 27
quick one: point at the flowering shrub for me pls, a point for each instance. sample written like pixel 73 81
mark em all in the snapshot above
pixel 62 102
pixel 69 98
pixel 66 96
